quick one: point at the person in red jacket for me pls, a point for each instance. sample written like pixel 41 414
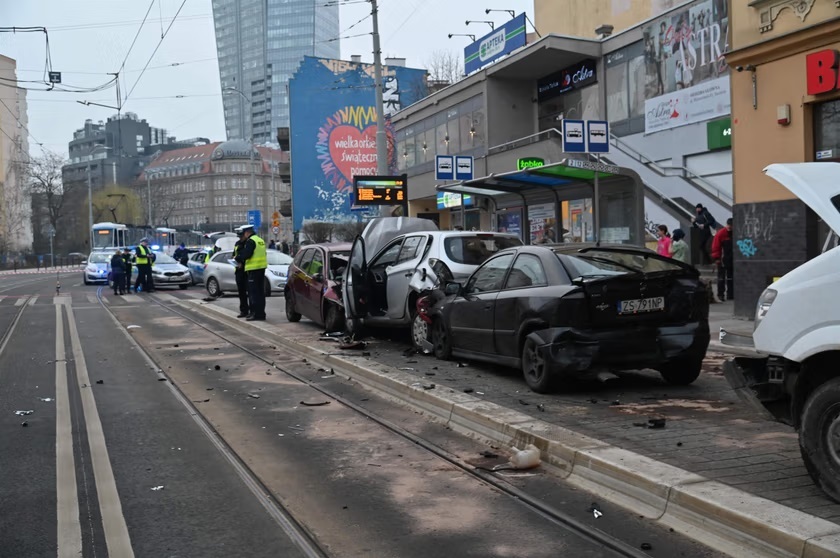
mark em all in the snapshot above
pixel 722 257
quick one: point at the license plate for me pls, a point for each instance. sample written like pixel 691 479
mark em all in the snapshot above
pixel 639 305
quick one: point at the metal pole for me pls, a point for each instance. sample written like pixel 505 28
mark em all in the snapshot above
pixel 253 181
pixel 273 195
pixel 381 137
pixel 90 208
pixel 149 195
pixel 52 254
pixel 596 205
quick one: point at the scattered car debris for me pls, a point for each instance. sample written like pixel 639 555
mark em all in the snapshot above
pixel 352 345
pixel 200 401
pixel 647 546
pixel 23 413
pixel 468 390
pixel 317 404
pixel 331 334
pixel 430 374
pixel 46 399
pixel 217 367
pixel 615 403
pixel 479 393
pixel 430 386
pixel 541 407
pixel 176 345
pixel 523 402
pixel 679 444
pixel 525 459
pixel 406 368
pixel 267 372
pixel 156 488
pixel 161 379
pixel 100 381
pixel 488 454
pixel 593 401
pixel 462 365
pixel 209 389
pixel 133 327
pixel 596 511
pixel 24 424
pixel 410 352
pixel 333 339
pixel 254 395
pixel 656 423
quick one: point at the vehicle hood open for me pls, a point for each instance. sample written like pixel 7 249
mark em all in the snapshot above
pixel 816 184
pixel 382 230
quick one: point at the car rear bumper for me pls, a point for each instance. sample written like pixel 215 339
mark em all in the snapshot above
pixel 572 351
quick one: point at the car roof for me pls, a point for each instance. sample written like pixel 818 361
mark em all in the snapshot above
pixel 329 246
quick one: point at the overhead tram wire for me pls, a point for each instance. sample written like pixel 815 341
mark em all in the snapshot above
pixel 134 41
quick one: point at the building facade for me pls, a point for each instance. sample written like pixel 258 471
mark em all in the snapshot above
pixel 208 187
pixel 580 18
pixel 785 108
pixel 260 44
pixel 15 196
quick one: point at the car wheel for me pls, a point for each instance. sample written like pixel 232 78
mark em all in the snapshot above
pixel 421 333
pixel 535 369
pixel 267 288
pixel 183 287
pixel 213 288
pixel 441 341
pixel 819 437
pixel 681 371
pixel 334 319
pixel 291 314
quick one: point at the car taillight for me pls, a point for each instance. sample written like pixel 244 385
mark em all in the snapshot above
pixel 424 303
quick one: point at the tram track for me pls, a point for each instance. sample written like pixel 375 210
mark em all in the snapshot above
pixel 7 335
pixel 284 518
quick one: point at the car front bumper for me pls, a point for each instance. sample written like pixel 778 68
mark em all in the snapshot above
pixel 164 281
pixel 277 283
pixel 96 277
pixel 570 351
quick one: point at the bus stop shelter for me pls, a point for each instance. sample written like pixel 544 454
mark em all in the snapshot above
pixel 616 195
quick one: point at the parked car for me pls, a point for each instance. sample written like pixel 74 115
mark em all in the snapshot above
pixel 558 312
pixel 196 264
pixel 166 272
pixel 314 287
pixel 97 268
pixel 796 379
pixel 410 256
pixel 220 273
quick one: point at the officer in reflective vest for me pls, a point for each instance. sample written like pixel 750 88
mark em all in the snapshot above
pixel 241 277
pixel 144 257
pixel 255 259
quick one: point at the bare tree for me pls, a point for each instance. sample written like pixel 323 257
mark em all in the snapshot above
pixel 347 231
pixel 444 66
pixel 318 231
pixel 46 185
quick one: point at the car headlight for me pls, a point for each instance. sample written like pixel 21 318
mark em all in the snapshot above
pixel 765 301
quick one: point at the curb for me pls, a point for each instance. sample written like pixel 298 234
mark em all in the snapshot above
pixel 724 518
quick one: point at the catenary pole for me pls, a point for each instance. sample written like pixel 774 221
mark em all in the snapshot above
pixel 381 137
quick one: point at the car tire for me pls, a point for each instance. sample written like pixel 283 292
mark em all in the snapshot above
pixel 441 340
pixel 267 288
pixel 420 331
pixel 819 437
pixel 334 318
pixel 291 314
pixel 183 287
pixel 213 288
pixel 681 371
pixel 535 370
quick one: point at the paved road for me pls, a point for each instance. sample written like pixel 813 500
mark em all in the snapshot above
pixel 105 432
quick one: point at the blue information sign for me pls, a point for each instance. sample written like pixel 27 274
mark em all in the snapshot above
pixel 598 136
pixel 574 139
pixel 255 218
pixel 495 44
pixel 444 167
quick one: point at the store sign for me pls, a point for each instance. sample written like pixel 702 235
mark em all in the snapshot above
pixel 688 106
pixel 495 44
pixel 719 134
pixel 589 165
pixel 567 79
pixel 529 163
pixel 821 71
pixel 448 200
pixel 380 190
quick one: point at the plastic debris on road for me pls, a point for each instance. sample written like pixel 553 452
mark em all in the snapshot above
pixel 595 509
pixel 46 399
pixel 156 488
pixel 254 395
pixel 24 424
pixel 316 404
pixel 525 459
pixel 23 413
pixel 133 327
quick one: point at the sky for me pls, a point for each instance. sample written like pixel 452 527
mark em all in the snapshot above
pixel 180 88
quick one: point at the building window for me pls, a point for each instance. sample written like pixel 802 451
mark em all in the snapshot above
pixel 827 131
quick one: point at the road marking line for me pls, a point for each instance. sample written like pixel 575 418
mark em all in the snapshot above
pixel 32 300
pixel 21 301
pixel 105 299
pixel 113 522
pixel 92 299
pixel 69 528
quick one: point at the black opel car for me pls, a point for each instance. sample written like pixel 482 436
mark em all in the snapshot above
pixel 562 311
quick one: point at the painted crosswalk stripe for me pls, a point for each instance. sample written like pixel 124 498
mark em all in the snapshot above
pixel 33 300
pixel 92 299
pixel 20 302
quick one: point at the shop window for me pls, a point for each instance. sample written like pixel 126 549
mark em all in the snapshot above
pixel 581 104
pixel 442 145
pixel 827 131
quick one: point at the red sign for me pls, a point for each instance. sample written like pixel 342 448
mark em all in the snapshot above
pixel 821 70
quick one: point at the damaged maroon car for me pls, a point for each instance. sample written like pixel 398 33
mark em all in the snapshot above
pixel 564 311
pixel 313 289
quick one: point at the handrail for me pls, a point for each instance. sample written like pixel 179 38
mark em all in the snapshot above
pixel 687 173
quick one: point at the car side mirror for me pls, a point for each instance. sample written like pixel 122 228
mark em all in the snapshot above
pixel 452 288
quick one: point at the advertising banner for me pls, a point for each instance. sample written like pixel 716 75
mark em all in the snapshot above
pixel 495 44
pixel 333 132
pixel 574 77
pixel 687 106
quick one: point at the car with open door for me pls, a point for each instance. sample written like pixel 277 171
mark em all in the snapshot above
pixel 313 289
pixel 564 311
pixel 409 257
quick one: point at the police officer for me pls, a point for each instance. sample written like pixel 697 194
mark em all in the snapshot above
pixel 126 254
pixel 241 277
pixel 255 259
pixel 143 257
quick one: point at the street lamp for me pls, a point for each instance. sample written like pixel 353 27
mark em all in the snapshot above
pixel 511 12
pixel 471 36
pixel 490 23
pixel 90 193
pixel 253 180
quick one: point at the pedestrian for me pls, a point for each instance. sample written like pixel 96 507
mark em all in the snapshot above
pixel 241 278
pixel 663 245
pixel 284 247
pixel 723 257
pixel 679 248
pixel 255 259
pixel 118 273
pixel 705 223
pixel 126 254
pixel 181 254
pixel 272 245
pixel 144 258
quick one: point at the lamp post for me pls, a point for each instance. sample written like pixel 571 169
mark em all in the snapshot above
pixel 90 193
pixel 253 180
pixel 149 195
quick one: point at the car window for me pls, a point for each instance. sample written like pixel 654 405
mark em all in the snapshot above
pixel 475 249
pixel 527 271
pixel 389 255
pixel 299 257
pixel 490 276
pixel 161 258
pixel 613 262
pixel 278 258
pixel 221 257
pixel 409 248
pixel 316 264
pixel 100 257
pixel 338 263
pixel 303 264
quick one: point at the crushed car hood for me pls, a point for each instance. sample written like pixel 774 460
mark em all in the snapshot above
pixel 816 184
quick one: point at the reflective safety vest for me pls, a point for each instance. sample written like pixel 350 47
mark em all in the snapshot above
pixel 259 259
pixel 143 258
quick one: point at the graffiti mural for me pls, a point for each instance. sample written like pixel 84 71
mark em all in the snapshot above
pixel 333 132
pixel 747 247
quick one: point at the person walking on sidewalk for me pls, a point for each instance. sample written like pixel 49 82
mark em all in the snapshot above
pixel 723 257
pixel 241 277
pixel 663 245
pixel 118 273
pixel 705 224
pixel 254 257
pixel 679 248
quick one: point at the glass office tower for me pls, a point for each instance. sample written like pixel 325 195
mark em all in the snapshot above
pixel 260 44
